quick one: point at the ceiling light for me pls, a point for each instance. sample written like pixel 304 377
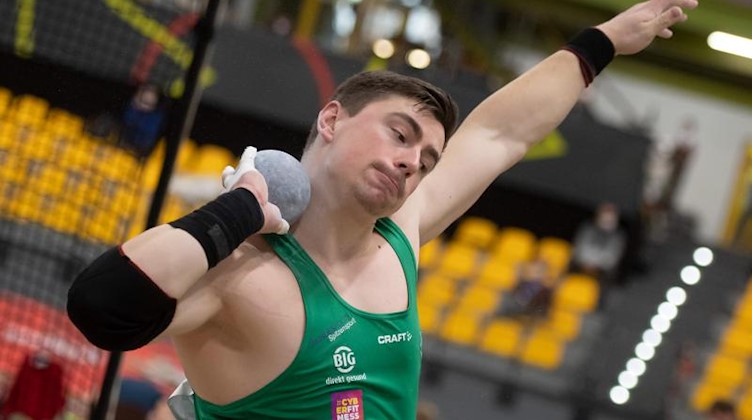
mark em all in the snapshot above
pixel 690 275
pixel 676 296
pixel 418 58
pixel 636 366
pixel 667 310
pixel 619 395
pixel 703 256
pixel 628 380
pixel 383 48
pixel 652 337
pixel 729 43
pixel 645 351
pixel 660 324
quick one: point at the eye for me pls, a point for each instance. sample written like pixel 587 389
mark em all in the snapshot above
pixel 401 137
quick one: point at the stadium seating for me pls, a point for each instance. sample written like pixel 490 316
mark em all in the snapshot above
pixel 727 369
pixel 465 279
pixel 54 174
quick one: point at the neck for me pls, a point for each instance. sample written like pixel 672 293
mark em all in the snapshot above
pixel 332 232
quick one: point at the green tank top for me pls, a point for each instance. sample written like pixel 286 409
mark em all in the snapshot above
pixel 351 365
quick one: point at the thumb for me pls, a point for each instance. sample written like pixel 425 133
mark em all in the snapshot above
pixel 226 174
pixel 283 228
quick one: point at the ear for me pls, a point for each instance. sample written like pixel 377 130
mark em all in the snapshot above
pixel 327 119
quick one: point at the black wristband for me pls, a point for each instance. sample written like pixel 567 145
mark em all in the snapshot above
pixel 594 51
pixel 221 225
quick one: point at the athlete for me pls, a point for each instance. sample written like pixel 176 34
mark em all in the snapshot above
pixel 320 322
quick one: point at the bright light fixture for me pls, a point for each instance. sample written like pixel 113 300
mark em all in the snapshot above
pixel 652 337
pixel 645 351
pixel 729 43
pixel 703 256
pixel 383 48
pixel 676 296
pixel 667 310
pixel 690 275
pixel 660 324
pixel 636 366
pixel 418 58
pixel 619 395
pixel 628 380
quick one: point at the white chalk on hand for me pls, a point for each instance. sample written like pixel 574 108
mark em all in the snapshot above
pixel 288 184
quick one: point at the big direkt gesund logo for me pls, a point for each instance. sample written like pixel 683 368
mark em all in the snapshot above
pixel 344 359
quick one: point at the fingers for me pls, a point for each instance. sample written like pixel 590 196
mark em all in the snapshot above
pixel 668 19
pixel 664 5
pixel 284 227
pixel 230 175
pixel 226 174
pixel 666 33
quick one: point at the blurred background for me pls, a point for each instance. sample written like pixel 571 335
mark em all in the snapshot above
pixel 606 276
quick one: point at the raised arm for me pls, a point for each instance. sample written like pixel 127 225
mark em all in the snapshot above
pixel 502 128
pixel 151 284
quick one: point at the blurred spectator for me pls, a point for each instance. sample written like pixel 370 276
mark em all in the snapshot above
pixel 427 411
pixel 142 120
pixel 532 294
pixel 137 399
pixel 38 391
pixel 721 410
pixel 599 244
pixel 665 170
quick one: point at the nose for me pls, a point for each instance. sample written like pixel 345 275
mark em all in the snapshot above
pixel 408 161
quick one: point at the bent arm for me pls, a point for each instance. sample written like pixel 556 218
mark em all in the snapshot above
pixel 151 285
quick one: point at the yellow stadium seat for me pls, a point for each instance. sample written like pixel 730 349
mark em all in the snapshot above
pixel 461 327
pixel 430 253
pixel 437 289
pixel 476 232
pixel 502 337
pixel 737 341
pixel 30 110
pixel 210 159
pixel 555 252
pixel 745 405
pixel 725 370
pixel 705 394
pixel 8 135
pixel 458 261
pixel 743 314
pixel 566 325
pixel 51 181
pixel 173 208
pixel 104 226
pixel 27 206
pixel 429 316
pixel 543 349
pixel 514 245
pixel 64 217
pixel 479 299
pixel 577 292
pixel 64 124
pixel 6 96
pixel 498 274
pixel 186 153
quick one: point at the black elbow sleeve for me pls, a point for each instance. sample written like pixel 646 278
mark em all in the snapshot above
pixel 116 306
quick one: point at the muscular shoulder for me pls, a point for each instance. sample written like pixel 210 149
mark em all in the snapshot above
pixel 251 284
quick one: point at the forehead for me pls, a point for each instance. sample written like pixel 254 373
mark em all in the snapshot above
pixel 433 130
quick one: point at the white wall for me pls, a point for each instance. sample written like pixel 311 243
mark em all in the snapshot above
pixel 723 129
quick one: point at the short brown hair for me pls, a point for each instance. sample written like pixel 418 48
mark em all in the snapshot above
pixel 363 88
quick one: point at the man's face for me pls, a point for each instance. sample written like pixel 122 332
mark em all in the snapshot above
pixel 384 151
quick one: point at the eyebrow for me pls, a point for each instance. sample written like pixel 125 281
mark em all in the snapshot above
pixel 415 127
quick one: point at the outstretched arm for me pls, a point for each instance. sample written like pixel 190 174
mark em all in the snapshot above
pixel 502 128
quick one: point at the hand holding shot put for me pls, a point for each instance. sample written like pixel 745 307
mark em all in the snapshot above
pixel 294 325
